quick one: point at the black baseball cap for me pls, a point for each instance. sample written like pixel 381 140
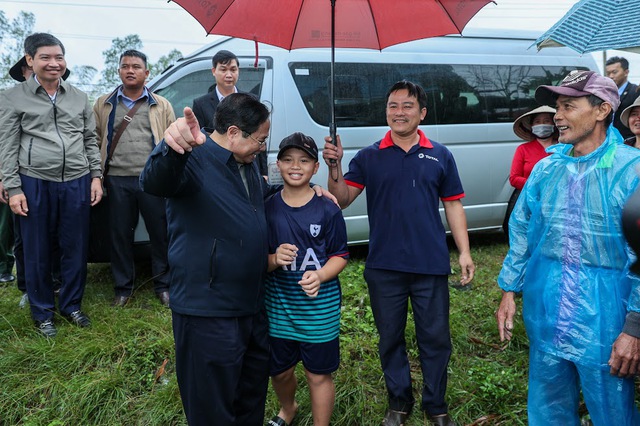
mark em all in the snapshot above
pixel 300 141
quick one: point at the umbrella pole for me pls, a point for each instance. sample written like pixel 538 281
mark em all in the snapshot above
pixel 332 126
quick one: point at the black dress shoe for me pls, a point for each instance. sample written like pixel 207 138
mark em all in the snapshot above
pixel 79 318
pixel 120 301
pixel 163 296
pixel 395 418
pixel 47 328
pixel 6 278
pixel 444 420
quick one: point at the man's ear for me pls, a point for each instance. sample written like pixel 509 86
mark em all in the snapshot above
pixel 234 134
pixel 604 109
pixel 233 130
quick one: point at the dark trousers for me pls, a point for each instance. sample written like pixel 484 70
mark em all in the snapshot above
pixel 126 202
pixel 18 251
pixel 222 366
pixel 390 292
pixel 6 239
pixel 510 205
pixel 63 207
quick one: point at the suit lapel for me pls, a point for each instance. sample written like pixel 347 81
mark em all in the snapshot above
pixel 630 88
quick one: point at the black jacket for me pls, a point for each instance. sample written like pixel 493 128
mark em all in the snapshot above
pixel 217 234
pixel 204 108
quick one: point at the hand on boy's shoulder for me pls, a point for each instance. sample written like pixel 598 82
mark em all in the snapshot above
pixel 321 192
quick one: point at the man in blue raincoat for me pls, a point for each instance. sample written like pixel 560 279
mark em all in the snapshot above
pixel 568 257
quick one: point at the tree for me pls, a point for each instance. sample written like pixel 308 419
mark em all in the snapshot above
pixel 82 77
pixel 110 77
pixel 12 35
pixel 164 62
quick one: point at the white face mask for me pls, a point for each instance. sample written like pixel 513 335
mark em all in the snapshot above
pixel 542 131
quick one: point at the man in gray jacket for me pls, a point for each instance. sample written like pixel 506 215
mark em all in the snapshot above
pixel 51 170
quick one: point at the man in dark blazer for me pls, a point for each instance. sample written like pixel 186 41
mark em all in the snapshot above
pixel 226 70
pixel 617 69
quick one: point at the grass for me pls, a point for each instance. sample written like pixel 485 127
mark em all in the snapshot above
pixel 120 371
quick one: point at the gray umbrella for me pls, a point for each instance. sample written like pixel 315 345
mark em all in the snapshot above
pixel 595 25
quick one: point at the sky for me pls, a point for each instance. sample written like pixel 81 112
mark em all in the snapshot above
pixel 86 27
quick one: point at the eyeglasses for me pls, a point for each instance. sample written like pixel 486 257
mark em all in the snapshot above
pixel 248 135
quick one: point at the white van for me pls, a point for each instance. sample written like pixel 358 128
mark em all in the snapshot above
pixel 477 85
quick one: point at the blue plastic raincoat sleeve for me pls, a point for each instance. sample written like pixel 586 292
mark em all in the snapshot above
pixel 511 277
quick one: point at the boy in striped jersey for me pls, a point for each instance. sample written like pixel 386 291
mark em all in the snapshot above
pixel 308 249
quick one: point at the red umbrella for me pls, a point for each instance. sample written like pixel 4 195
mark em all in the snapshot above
pixel 369 24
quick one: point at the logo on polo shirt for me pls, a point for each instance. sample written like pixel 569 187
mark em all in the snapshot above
pixel 314 229
pixel 428 157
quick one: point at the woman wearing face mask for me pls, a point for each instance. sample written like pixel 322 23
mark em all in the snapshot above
pixel 537 128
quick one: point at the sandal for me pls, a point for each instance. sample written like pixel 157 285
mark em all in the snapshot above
pixel 279 421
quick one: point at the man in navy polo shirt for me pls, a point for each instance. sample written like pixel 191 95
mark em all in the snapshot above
pixel 407 175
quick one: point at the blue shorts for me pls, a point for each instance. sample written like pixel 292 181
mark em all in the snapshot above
pixel 317 358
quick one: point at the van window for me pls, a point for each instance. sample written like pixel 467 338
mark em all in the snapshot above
pixel 182 91
pixel 456 93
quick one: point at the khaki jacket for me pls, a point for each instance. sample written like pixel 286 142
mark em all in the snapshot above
pixel 161 115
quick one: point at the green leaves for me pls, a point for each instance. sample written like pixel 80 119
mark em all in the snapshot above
pixel 12 35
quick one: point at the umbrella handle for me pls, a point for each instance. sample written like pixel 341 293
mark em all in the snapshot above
pixel 332 132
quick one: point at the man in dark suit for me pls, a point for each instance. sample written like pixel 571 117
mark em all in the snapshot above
pixel 617 69
pixel 226 70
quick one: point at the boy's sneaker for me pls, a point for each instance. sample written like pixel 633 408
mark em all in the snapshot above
pixel 47 328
